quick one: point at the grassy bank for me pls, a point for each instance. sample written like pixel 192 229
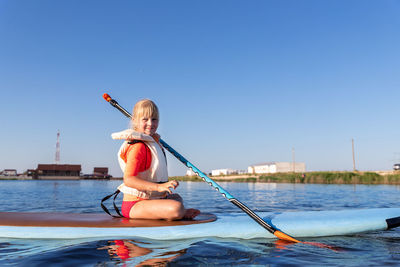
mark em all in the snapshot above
pixel 310 177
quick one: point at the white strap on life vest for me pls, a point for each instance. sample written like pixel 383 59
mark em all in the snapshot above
pixel 158 171
pixel 142 194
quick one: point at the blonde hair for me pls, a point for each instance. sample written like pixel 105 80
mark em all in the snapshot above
pixel 144 108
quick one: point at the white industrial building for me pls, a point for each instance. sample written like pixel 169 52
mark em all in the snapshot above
pixel 223 172
pixel 274 167
pixel 9 172
pixel 189 172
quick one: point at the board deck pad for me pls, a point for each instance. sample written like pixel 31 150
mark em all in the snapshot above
pixel 43 219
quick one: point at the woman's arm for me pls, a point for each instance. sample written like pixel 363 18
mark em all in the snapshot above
pixel 143 185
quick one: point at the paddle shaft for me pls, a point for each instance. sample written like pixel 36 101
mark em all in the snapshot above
pixel 208 180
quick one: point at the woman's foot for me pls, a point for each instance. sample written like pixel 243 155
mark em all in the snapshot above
pixel 191 213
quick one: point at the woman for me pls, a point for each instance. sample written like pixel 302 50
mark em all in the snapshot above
pixel 147 191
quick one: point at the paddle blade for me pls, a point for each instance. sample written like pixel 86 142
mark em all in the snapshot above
pixel 107 97
pixel 285 237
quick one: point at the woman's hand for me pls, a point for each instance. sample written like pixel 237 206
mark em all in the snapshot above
pixel 167 186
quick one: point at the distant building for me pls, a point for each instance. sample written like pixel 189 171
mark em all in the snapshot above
pixel 100 171
pixel 189 172
pixel 242 172
pixel 9 172
pixel 60 171
pixel 30 172
pixel 274 167
pixel 223 172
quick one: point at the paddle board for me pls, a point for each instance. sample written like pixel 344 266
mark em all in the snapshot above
pixel 102 226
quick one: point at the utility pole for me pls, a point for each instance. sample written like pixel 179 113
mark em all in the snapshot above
pixel 354 160
pixel 58 148
pixel 293 160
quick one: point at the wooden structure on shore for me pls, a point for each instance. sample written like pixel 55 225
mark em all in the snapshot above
pixel 57 171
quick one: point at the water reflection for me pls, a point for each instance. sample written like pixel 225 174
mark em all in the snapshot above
pixel 137 253
pixel 163 253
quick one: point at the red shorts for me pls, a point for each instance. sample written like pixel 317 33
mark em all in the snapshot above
pixel 127 206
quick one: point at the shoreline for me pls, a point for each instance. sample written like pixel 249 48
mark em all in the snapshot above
pixel 374 178
pixel 323 177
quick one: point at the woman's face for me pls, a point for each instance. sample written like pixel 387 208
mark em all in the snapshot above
pixel 146 125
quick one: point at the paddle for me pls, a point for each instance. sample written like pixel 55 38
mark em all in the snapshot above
pixel 228 196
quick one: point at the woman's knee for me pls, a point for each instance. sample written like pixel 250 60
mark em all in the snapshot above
pixel 176 211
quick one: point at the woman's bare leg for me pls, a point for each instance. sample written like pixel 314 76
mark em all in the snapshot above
pixel 165 209
pixel 189 213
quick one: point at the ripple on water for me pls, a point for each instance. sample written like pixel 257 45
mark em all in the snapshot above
pixel 372 249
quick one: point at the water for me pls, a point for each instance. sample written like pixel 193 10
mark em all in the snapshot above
pixel 369 249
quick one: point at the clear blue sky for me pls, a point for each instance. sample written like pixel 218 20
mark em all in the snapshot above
pixel 237 82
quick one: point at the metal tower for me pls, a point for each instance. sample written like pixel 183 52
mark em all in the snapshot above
pixel 58 148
